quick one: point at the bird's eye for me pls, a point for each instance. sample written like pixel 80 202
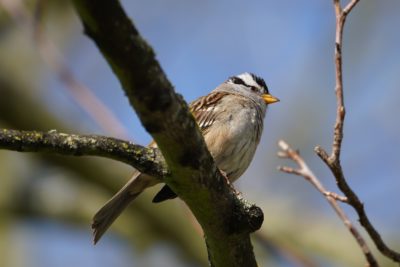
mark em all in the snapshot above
pixel 253 88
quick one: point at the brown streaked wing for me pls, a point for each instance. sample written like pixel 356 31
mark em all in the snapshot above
pixel 203 109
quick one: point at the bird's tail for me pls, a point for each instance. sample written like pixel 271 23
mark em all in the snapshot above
pixel 103 219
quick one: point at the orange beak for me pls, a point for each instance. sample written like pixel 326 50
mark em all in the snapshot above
pixel 269 99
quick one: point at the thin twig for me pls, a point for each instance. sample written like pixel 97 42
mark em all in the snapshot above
pixel 304 170
pixel 333 160
pixel 341 112
pixel 336 196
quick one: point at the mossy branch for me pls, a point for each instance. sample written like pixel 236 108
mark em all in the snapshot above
pixel 146 160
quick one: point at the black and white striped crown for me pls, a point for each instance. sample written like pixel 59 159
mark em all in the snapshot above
pixel 250 80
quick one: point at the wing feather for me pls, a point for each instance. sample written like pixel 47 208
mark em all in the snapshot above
pixel 204 109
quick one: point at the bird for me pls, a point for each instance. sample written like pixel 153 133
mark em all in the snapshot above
pixel 231 119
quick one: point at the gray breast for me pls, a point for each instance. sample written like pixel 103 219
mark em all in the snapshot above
pixel 244 128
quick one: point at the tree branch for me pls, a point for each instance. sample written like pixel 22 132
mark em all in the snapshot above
pixel 146 160
pixel 333 160
pixel 304 170
pixel 225 219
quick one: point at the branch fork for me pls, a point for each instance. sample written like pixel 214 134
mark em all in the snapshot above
pixel 333 160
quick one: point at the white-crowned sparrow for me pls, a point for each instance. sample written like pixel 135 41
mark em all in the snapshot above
pixel 231 120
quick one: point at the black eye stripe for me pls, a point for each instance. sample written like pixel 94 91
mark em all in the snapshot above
pixel 237 80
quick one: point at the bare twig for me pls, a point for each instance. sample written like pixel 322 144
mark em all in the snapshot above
pixel 336 196
pixel 304 170
pixel 341 15
pixel 333 160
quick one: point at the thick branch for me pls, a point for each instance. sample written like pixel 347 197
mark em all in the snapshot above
pixel 145 159
pixel 304 170
pixel 164 114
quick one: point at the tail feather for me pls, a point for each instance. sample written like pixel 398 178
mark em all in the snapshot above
pixel 103 219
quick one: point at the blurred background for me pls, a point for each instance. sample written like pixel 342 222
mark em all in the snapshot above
pixel 53 77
